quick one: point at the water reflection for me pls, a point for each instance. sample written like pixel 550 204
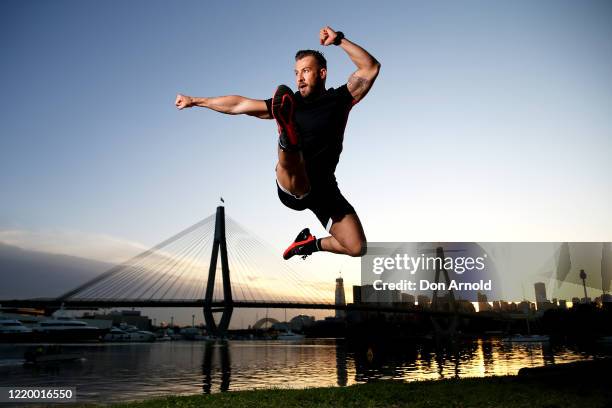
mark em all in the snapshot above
pixel 454 360
pixel 222 349
pixel 341 363
pixel 117 372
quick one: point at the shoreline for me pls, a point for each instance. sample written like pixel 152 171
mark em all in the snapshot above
pixel 576 384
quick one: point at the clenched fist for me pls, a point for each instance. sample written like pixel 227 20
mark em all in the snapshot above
pixel 327 36
pixel 183 101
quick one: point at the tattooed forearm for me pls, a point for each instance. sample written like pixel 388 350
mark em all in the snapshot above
pixel 357 84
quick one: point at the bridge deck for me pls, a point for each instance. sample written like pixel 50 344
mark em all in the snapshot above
pixel 200 303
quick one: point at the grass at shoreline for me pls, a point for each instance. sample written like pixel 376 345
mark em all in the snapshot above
pixel 498 392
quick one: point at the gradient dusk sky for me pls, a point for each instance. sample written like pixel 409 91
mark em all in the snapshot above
pixel 490 121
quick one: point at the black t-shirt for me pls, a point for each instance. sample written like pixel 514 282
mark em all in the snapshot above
pixel 321 122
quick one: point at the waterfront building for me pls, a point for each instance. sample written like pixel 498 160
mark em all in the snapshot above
pixel 483 304
pixel 129 317
pixel 524 307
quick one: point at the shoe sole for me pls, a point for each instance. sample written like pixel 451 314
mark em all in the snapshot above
pixel 289 251
pixel 284 95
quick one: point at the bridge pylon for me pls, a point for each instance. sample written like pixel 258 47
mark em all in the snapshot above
pixel 219 245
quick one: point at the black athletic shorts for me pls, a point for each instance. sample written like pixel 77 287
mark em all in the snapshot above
pixel 326 202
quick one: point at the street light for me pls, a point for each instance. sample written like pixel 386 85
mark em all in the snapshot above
pixel 583 277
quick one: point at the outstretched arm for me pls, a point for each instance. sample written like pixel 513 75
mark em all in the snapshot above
pixel 231 105
pixel 360 82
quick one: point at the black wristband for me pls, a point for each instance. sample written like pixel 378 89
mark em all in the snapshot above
pixel 339 37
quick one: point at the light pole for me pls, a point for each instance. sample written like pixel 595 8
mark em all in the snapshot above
pixel 583 277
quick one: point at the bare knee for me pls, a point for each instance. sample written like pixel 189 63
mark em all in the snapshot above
pixel 357 249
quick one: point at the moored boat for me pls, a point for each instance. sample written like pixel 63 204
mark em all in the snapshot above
pixel 49 354
pixel 13 331
pixel 289 335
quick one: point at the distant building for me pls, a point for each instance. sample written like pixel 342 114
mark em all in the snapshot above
pixel 464 306
pixel 298 323
pixel 340 299
pixel 407 299
pixel 524 307
pixel 423 301
pixel 509 307
pixel 389 296
pixel 540 294
pixel 356 294
pixel 367 294
pixel 544 306
pixel 483 304
pixel 130 317
pixel 562 304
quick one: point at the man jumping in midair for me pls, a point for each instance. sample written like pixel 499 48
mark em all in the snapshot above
pixel 311 125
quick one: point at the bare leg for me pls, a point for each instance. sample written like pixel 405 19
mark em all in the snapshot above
pixel 347 237
pixel 291 172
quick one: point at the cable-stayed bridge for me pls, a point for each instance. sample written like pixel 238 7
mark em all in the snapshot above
pixel 192 269
pixel 195 262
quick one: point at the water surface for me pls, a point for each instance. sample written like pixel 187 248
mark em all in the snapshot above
pixel 120 372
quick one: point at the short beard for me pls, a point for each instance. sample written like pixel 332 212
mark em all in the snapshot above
pixel 317 90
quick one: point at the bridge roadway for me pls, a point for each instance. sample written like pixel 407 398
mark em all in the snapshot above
pixel 54 303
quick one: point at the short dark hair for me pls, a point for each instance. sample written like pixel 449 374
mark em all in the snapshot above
pixel 318 55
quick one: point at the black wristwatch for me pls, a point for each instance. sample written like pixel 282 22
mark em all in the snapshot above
pixel 339 37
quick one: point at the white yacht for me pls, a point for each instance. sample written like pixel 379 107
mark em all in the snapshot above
pixel 13 331
pixel 142 335
pixel 127 333
pixel 116 334
pixel 66 328
pixel 13 326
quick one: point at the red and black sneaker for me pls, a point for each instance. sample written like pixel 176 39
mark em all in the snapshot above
pixel 305 244
pixel 283 108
